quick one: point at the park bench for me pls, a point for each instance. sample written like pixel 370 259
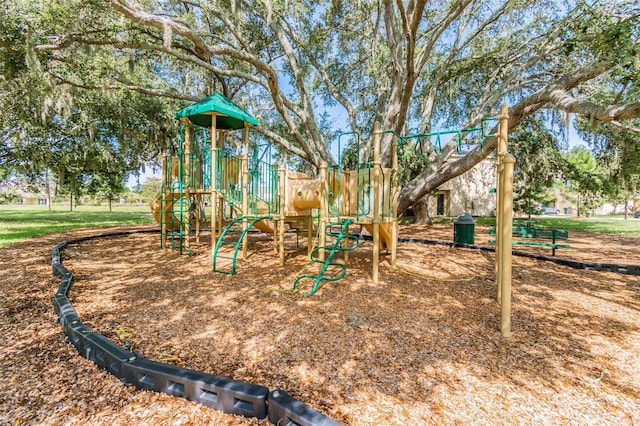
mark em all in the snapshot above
pixel 536 232
pixel 517 231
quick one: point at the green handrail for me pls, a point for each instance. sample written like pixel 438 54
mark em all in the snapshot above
pixel 237 243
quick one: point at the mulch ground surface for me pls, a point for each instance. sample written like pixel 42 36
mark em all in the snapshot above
pixel 422 346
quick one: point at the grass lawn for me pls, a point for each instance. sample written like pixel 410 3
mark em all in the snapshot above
pixel 19 223
pixel 607 224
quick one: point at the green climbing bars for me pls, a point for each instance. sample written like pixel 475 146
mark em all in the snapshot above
pixel 175 202
pixel 460 134
pixel 337 246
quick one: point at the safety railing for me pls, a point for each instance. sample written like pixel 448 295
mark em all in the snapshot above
pixel 264 188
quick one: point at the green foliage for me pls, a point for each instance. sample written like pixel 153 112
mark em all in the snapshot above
pixel 150 188
pixel 539 164
pixel 616 149
pixel 9 196
pixel 89 140
pixel 410 162
pixel 585 178
pixel 602 34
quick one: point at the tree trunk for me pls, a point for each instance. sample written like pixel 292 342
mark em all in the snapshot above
pixel 421 211
pixel 73 190
pixel 109 199
pixel 46 177
pixel 626 202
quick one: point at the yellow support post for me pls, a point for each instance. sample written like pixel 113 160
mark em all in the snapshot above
pixel 324 209
pixel 505 262
pixel 309 234
pixel 163 201
pixel 376 201
pixel 503 134
pixel 198 179
pixel 245 189
pixel 394 202
pixel 225 167
pixel 188 137
pixel 346 252
pixel 276 167
pixel 283 176
pixel 214 191
pixel 198 218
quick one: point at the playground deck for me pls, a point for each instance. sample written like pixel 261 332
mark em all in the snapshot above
pixel 421 347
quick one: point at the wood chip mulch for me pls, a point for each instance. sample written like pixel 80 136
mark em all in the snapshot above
pixel 420 347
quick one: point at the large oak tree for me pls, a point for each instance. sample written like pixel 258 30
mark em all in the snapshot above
pixel 413 65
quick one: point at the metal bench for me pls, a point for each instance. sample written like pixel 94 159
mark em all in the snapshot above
pixel 520 231
pixel 535 232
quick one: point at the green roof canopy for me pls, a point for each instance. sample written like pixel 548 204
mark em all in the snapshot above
pixel 229 116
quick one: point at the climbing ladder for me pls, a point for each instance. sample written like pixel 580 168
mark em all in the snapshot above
pixel 175 211
pixel 180 220
pixel 232 235
pixel 337 246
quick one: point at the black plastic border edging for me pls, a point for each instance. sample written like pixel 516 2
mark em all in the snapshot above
pixel 223 394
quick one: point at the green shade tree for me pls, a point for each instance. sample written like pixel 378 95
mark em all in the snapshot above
pixel 584 177
pixel 149 188
pixel 89 140
pixel 616 145
pixel 414 66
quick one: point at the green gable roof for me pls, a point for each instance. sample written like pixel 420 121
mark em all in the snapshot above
pixel 228 114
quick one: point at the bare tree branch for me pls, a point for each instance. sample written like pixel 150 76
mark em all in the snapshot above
pixel 621 126
pixel 610 114
pixel 281 141
pixel 144 90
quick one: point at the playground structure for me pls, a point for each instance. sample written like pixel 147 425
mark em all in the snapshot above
pixel 267 196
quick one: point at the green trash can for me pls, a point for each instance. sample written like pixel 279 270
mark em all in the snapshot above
pixel 464 229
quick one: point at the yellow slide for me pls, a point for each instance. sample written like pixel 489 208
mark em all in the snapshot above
pixel 385 234
pixel 265 226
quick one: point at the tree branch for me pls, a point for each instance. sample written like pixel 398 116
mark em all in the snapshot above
pixel 281 141
pixel 144 90
pixel 610 114
pixel 621 126
pixel 552 95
